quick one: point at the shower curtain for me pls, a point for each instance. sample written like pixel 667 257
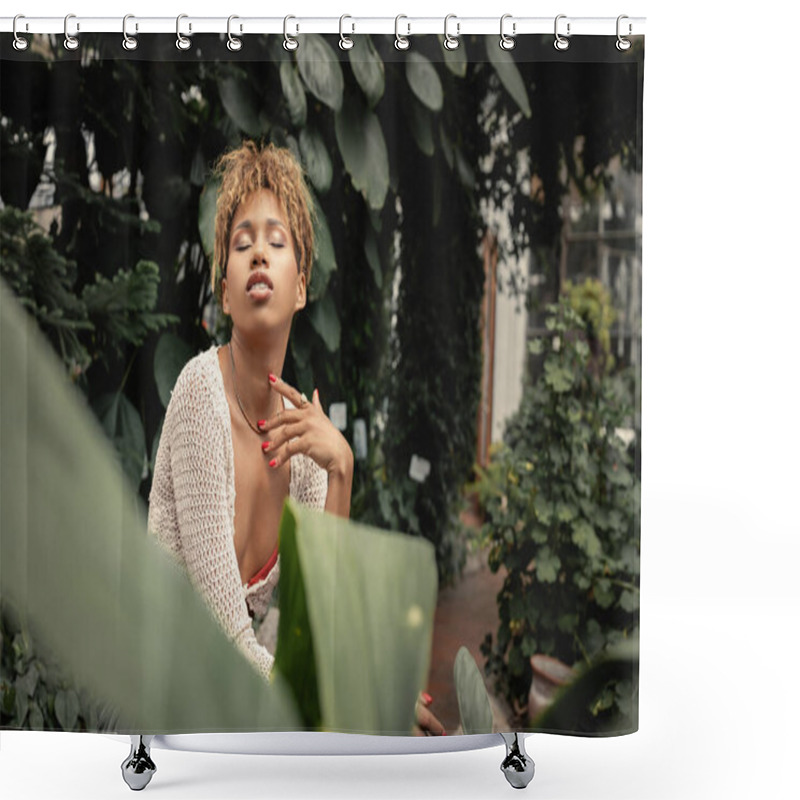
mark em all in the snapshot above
pixel 471 328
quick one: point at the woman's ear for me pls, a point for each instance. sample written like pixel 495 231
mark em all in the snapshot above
pixel 301 291
pixel 224 291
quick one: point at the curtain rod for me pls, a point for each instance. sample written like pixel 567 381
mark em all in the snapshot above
pixel 348 25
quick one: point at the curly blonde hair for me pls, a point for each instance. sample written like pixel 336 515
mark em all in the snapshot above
pixel 247 169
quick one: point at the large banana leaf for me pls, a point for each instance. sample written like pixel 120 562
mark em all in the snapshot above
pixel 78 566
pixel 354 638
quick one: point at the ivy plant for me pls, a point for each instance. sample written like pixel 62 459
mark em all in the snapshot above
pixel 561 505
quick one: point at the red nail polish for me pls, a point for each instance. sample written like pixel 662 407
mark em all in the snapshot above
pixel 272 378
pixel 427 698
pixel 261 423
pixel 273 463
pixel 264 446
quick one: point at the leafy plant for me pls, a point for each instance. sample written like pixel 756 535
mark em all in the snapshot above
pixel 354 641
pixel 116 615
pixel 473 699
pixel 561 504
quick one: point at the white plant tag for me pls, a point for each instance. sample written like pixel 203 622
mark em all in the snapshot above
pixel 420 469
pixel 338 415
pixel 360 438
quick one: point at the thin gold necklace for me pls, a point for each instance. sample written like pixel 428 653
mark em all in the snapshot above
pixel 236 392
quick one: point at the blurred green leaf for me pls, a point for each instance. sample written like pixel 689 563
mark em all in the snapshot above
pixel 99 576
pixel 583 536
pixel 67 709
pixel 242 105
pixel 294 93
pixel 368 69
pixel 315 159
pixel 325 262
pixel 123 306
pixel 373 259
pixel 547 565
pixel 456 60
pixel 370 659
pixel 509 75
pixel 324 317
pixel 363 148
pixel 170 357
pixel 123 426
pixel 424 81
pixel 422 128
pixel 558 377
pixel 320 70
pixel 570 709
pixel 473 699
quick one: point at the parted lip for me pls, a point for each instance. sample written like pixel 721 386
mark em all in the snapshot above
pixel 259 276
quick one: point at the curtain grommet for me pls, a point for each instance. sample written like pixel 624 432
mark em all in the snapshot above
pixel 129 42
pixel 70 42
pixel 401 42
pixel 182 42
pixel 234 44
pixel 623 44
pixel 289 42
pixel 451 42
pixel 561 43
pixel 345 42
pixel 507 42
pixel 20 42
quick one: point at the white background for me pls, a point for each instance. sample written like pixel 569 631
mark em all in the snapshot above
pixel 719 708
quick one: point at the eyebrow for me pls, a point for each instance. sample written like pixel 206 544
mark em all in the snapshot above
pixel 270 222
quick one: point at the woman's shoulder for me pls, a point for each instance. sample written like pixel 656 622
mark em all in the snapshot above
pixel 199 378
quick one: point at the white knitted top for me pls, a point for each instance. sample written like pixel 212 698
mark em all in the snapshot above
pixel 192 501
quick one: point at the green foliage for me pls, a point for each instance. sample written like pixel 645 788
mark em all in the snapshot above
pixel 583 705
pixel 474 707
pixel 109 605
pixel 373 173
pixel 592 302
pixel 353 665
pixel 92 592
pixel 35 693
pixel 561 503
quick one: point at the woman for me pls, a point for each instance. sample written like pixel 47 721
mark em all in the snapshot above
pixel 237 439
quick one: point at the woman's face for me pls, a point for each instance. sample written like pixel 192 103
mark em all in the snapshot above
pixel 262 287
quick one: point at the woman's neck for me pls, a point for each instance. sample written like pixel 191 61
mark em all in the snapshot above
pixel 253 361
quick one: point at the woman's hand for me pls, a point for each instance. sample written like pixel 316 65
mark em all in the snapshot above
pixel 427 722
pixel 305 429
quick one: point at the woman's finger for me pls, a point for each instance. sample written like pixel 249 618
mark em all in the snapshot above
pixel 287 416
pixel 281 387
pixel 284 452
pixel 428 721
pixel 280 435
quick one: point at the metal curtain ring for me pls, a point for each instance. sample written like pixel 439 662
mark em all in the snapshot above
pixel 288 42
pixel 70 42
pixel 182 43
pixel 129 42
pixel 401 42
pixel 234 43
pixel 508 42
pixel 451 42
pixel 20 42
pixel 561 43
pixel 345 42
pixel 623 43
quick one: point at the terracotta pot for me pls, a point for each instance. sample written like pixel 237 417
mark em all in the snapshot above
pixel 549 675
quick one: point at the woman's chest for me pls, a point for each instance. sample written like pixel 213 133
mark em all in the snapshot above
pixel 260 494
